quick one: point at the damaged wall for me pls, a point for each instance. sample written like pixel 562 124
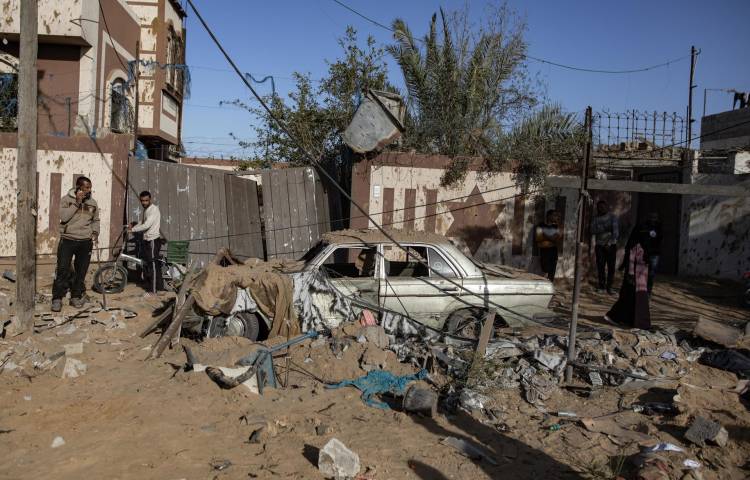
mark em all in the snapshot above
pixel 484 214
pixel 60 161
pixel 716 231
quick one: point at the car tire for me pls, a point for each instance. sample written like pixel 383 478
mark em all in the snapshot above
pixel 465 323
pixel 240 324
pixel 110 278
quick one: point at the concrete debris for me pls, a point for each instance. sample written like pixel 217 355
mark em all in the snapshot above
pixel 336 461
pixel 73 349
pixel 375 335
pixel 71 368
pixel 502 349
pixel 551 361
pixel 596 379
pixel 717 332
pixel 9 275
pixel 703 430
pixel 374 359
pixel 58 442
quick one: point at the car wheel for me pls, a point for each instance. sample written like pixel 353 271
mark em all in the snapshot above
pixel 465 323
pixel 240 324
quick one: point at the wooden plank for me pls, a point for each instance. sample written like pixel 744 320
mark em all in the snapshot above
pixel 484 338
pixel 220 203
pixel 388 207
pixel 193 214
pixel 294 216
pixel 233 207
pixel 303 235
pixel 255 220
pixel 201 245
pixel 652 187
pixel 268 214
pixel 321 204
pixel 55 195
pixel 170 191
pixel 211 243
pixel 281 213
pixel 410 201
pixel 430 221
pixel 312 212
pixel 717 332
pixel 182 198
pixel 519 204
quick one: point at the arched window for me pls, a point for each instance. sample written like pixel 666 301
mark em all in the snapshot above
pixel 120 107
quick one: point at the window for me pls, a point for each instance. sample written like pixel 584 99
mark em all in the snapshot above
pixel 419 262
pixel 351 262
pixel 8 102
pixel 120 107
pixel 175 76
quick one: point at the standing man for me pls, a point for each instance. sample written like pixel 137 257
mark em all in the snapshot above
pixel 652 236
pixel 547 236
pixel 151 227
pixel 79 220
pixel 606 231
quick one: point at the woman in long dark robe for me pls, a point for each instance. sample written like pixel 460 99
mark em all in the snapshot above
pixel 631 308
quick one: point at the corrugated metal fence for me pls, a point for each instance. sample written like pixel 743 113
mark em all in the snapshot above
pixel 215 208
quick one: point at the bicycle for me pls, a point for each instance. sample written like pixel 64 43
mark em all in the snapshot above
pixel 112 277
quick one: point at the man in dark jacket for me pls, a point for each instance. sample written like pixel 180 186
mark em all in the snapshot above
pixel 606 231
pixel 79 229
pixel 652 235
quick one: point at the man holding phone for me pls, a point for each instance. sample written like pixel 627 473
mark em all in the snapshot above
pixel 79 229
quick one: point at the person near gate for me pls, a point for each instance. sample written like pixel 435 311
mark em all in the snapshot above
pixel 652 238
pixel 79 229
pixel 150 226
pixel 606 231
pixel 548 235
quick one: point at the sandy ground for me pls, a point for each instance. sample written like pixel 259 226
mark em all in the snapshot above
pixel 128 417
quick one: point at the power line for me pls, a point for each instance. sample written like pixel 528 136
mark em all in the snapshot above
pixel 542 60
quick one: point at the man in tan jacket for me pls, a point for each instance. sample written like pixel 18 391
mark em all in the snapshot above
pixel 79 229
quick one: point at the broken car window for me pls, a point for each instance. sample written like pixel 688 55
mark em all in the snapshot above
pixel 414 264
pixel 351 262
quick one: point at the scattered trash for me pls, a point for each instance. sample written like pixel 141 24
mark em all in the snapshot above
pixel 656 408
pixel 664 447
pixel 220 465
pixel 555 427
pixel 420 400
pixel 27 398
pixel 609 427
pixel 468 450
pixel 729 360
pixel 471 400
pixel 703 430
pixel 259 435
pixel 322 430
pixel 691 464
pixel 380 381
pixel 58 442
pixel 338 462
pixel 596 379
pixel 549 360
pixel 668 355
pixel 566 414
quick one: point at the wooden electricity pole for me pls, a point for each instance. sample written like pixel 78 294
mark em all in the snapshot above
pixel 26 169
pixel 693 58
pixel 136 76
pixel 580 228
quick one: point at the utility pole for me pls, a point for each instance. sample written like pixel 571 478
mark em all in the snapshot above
pixel 693 58
pixel 582 200
pixel 26 170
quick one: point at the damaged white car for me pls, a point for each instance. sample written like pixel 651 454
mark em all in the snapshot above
pixel 434 284
pixel 420 278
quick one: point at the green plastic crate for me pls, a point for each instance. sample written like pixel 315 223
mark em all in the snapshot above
pixel 177 251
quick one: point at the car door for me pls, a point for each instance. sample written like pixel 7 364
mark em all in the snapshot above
pixel 413 283
pixel 352 270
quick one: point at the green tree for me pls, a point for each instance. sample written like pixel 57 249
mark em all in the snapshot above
pixel 317 115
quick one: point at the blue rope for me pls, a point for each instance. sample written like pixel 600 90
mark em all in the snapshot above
pixel 380 381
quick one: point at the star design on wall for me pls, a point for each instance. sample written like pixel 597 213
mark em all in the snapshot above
pixel 474 220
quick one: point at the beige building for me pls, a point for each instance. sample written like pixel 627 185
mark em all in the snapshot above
pixel 86 103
